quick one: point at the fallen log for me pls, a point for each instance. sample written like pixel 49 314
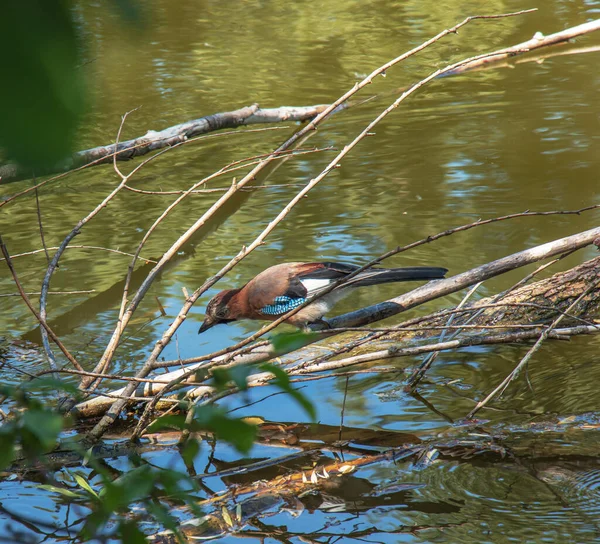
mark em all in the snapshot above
pixel 537 303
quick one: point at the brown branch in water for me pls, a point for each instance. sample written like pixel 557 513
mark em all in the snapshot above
pixel 171 136
pixel 538 40
pixel 42 321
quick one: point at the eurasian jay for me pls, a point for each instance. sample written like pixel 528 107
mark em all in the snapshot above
pixel 283 287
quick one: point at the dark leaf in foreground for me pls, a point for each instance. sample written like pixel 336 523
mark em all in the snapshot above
pixel 42 97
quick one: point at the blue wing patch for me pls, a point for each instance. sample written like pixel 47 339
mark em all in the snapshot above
pixel 282 305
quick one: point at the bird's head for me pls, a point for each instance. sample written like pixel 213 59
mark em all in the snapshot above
pixel 218 310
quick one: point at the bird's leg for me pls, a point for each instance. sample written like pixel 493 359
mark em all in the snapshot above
pixel 323 324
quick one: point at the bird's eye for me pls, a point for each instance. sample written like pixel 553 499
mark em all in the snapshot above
pixel 222 312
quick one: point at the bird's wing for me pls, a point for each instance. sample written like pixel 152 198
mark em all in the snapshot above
pixel 295 294
pixel 316 277
pixel 282 305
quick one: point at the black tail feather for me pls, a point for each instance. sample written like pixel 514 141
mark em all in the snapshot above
pixel 375 276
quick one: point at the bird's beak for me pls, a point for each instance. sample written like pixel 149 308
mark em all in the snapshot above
pixel 207 324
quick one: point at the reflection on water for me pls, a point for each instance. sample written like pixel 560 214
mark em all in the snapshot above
pixel 479 145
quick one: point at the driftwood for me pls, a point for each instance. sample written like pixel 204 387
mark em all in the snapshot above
pixel 570 284
pixel 537 303
pixel 168 137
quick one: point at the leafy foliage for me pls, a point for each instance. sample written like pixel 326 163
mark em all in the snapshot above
pixel 236 375
pixel 215 420
pixel 290 341
pixel 32 426
pixel 282 380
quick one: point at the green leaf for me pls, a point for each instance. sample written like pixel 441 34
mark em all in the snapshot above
pixel 7 446
pixel 43 99
pixel 61 490
pixel 289 341
pixel 44 425
pixel 171 480
pixel 190 451
pixel 130 533
pixel 130 487
pixel 282 380
pixel 221 378
pixel 52 384
pixel 237 374
pixel 83 483
pixel 235 431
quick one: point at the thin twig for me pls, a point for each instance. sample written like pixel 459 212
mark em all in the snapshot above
pixel 54 263
pixel 39 216
pixel 35 251
pixel 49 293
pixel 343 411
